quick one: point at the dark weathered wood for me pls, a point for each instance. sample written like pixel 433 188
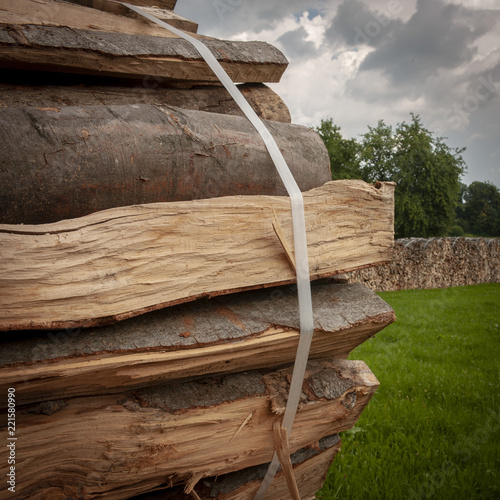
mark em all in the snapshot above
pixel 310 466
pixel 59 48
pixel 115 447
pixel 122 262
pixel 68 161
pixel 164 4
pixel 256 329
pixel 212 98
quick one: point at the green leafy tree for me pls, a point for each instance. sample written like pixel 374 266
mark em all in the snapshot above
pixel 343 153
pixel 426 170
pixel 479 212
pixel 377 153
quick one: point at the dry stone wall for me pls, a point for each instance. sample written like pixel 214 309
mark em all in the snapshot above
pixel 434 263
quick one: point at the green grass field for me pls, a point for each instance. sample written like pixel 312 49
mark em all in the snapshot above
pixel 432 428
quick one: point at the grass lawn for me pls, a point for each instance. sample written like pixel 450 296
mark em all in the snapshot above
pixel 432 428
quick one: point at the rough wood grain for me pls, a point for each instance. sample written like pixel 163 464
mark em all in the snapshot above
pixel 211 98
pixel 61 13
pixel 66 162
pixel 283 452
pixel 118 447
pixel 310 466
pixel 122 262
pixel 163 14
pixel 249 330
pixel 171 18
pixel 61 48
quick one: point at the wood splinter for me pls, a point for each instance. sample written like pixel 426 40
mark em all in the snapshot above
pixel 284 241
pixel 283 451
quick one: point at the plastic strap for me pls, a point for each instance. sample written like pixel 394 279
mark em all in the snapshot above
pixel 299 235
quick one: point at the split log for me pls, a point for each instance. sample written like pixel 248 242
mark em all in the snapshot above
pixel 66 162
pixel 118 447
pixel 162 14
pixel 211 98
pixel 63 13
pixel 310 467
pixel 168 17
pixel 74 50
pixel 123 262
pixel 250 330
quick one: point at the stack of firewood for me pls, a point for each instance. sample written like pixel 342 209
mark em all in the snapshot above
pixel 149 316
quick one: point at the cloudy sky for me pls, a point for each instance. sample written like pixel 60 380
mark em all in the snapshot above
pixel 359 61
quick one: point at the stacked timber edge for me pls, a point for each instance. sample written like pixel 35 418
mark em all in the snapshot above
pixel 255 329
pixel 57 36
pixel 148 311
pixel 117 446
pixel 122 262
pixel 310 466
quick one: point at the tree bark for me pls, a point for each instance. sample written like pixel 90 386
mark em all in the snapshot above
pixel 68 49
pixel 164 4
pixel 21 92
pixel 120 446
pixel 250 330
pixel 122 262
pixel 69 161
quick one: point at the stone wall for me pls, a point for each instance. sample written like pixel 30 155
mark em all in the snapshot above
pixel 434 263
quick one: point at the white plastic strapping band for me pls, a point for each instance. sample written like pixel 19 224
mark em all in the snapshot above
pixel 299 235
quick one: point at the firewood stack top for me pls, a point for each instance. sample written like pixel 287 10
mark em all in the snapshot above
pixel 148 310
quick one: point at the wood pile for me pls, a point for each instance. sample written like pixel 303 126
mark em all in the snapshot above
pixel 148 310
pixel 420 263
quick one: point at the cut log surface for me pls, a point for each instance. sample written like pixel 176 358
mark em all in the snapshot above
pixel 123 262
pixel 310 466
pixel 211 98
pixel 71 49
pixel 256 329
pixel 66 162
pixel 118 447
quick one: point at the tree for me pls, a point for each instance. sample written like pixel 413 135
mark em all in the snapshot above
pixel 426 170
pixel 343 153
pixel 427 173
pixel 479 212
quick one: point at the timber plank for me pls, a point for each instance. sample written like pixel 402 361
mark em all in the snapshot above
pixel 256 329
pixel 122 10
pixel 61 13
pixel 118 447
pixel 310 467
pixel 170 18
pixel 61 48
pixel 122 262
